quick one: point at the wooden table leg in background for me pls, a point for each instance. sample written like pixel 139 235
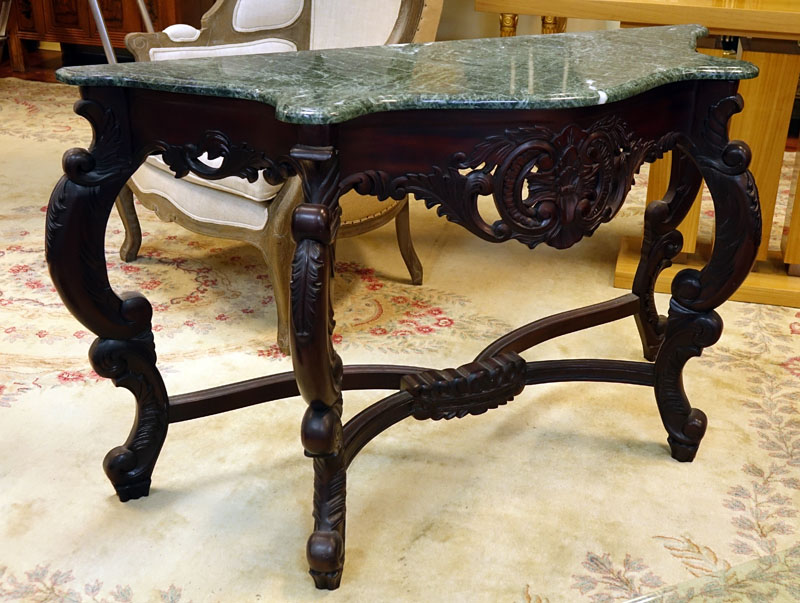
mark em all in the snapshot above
pixel 554 25
pixel 765 121
pixel 550 25
pixel 791 244
pixel 508 24
pixel 15 51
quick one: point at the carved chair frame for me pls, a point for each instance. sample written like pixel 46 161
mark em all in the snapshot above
pixel 273 241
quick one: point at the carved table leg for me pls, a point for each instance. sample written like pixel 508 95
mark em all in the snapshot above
pixel 508 24
pixel 662 242
pixel 124 351
pixel 692 323
pixel 318 368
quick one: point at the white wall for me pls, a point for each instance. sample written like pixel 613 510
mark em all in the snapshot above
pixel 460 20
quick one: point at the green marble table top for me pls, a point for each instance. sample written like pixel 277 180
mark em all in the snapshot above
pixel 525 72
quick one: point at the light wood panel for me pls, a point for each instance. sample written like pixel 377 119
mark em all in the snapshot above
pixel 763 125
pixel 763 18
pixel 769 285
pixel 791 245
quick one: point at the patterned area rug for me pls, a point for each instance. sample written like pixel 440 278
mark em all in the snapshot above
pixel 566 494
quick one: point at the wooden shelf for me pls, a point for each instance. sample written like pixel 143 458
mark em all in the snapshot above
pixel 769 283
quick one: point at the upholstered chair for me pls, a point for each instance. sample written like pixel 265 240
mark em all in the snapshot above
pixel 259 213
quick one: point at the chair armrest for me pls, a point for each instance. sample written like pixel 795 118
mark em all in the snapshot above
pixel 181 32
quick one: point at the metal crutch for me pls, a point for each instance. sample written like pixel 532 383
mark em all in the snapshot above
pixel 97 14
pixel 5 12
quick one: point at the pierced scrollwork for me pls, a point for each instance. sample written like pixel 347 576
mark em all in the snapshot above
pixel 471 389
pixel 549 187
pixel 240 160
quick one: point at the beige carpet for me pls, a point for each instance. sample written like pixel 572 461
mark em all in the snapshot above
pixel 566 494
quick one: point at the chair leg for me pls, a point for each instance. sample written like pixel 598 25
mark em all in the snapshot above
pixel 402 224
pixel 133 232
pixel 277 247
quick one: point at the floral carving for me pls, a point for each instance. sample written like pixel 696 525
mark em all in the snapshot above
pixel 549 187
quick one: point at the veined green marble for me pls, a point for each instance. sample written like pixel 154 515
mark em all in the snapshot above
pixel 525 72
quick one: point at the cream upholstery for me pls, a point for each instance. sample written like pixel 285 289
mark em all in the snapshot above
pixel 258 47
pixel 214 206
pixel 255 15
pixel 332 27
pixel 259 213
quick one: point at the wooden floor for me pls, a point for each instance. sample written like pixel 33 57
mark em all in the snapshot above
pixel 41 66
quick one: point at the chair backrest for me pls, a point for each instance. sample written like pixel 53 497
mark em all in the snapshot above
pixel 235 27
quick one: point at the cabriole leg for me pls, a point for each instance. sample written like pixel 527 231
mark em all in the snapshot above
pixel 692 323
pixel 124 351
pixel 318 368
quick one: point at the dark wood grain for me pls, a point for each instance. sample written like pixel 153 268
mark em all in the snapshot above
pixel 446 158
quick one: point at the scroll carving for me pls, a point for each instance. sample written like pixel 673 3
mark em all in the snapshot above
pixel 471 389
pixel 87 167
pixel 237 159
pixel 549 187
pixel 687 334
pixel 131 364
pixel 724 167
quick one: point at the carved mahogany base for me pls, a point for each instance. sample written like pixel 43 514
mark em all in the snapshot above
pixel 555 177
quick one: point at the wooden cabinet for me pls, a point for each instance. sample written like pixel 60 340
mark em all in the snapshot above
pixel 70 21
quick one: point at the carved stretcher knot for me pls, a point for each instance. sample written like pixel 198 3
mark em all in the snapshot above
pixel 471 389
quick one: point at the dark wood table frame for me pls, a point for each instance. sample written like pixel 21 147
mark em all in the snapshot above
pixel 555 176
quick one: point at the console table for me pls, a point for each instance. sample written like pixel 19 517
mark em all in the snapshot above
pixel 549 126
pixel 771 36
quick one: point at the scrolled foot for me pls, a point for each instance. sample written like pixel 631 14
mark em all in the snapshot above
pixel 694 428
pixel 130 481
pixel 131 364
pixel 325 554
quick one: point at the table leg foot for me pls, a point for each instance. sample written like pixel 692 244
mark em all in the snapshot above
pixel 694 428
pixel 325 553
pixel 131 364
pixel 687 333
pixel 130 491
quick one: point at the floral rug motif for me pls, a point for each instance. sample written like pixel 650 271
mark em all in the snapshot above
pixel 566 494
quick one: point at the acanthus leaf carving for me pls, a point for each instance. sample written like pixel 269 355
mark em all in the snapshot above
pixel 89 168
pixel 471 389
pixel 306 284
